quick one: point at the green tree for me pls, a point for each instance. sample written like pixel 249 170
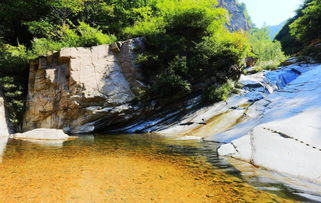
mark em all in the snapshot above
pixel 265 49
pixel 187 43
pixel 308 27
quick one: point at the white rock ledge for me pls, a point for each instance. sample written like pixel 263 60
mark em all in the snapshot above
pixel 286 137
pixel 42 134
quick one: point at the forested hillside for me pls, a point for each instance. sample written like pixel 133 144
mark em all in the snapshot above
pixel 303 30
pixel 189 46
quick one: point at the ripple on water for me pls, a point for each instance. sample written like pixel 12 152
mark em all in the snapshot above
pixel 122 168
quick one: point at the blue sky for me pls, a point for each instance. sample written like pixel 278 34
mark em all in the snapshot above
pixel 271 12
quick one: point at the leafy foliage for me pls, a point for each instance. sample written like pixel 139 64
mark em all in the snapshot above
pixel 14 99
pixel 267 51
pixel 303 29
pixel 290 44
pixel 186 44
pixel 216 93
pixel 53 40
pixel 308 27
pixel 13 59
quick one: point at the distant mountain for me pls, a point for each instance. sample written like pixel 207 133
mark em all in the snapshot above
pixel 275 29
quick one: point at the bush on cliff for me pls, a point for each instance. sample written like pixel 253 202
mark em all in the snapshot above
pixel 82 35
pixel 188 48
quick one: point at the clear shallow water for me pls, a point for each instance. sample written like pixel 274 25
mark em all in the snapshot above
pixel 132 168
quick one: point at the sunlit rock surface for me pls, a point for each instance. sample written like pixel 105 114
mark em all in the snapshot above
pixel 4 130
pixel 219 118
pixel 216 122
pixel 285 134
pixel 237 18
pixel 42 134
pixel 79 89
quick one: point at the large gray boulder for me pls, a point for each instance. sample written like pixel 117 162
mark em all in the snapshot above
pixel 80 89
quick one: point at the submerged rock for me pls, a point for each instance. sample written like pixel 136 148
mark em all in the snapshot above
pixel 285 136
pixel 42 134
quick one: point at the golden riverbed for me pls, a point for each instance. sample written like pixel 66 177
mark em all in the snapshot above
pixel 116 170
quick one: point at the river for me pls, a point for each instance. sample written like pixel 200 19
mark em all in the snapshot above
pixel 130 168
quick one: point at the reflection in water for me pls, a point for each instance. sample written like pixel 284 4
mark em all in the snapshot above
pixel 275 182
pixel 125 168
pixel 48 143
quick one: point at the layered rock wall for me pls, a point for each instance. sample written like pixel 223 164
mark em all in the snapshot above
pixel 77 89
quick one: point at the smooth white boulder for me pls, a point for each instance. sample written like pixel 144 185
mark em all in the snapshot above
pixel 42 134
pixel 287 134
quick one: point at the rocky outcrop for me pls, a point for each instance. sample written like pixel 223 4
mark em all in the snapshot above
pixel 251 61
pixel 210 121
pixel 4 130
pixel 79 89
pixel 237 20
pixel 285 135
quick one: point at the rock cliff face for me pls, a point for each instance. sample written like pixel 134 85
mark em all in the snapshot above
pixel 78 89
pixel 238 20
pixel 4 130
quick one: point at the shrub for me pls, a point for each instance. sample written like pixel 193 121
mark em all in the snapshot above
pixel 82 35
pixel 89 36
pixel 216 93
pixel 13 59
pixel 13 90
pixel 188 48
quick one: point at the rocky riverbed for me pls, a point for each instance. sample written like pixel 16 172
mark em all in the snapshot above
pixel 285 136
pixel 272 123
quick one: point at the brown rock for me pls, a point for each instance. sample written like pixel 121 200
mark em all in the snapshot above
pixel 251 61
pixel 77 89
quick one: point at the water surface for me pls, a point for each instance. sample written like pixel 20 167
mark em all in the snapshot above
pixel 127 168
